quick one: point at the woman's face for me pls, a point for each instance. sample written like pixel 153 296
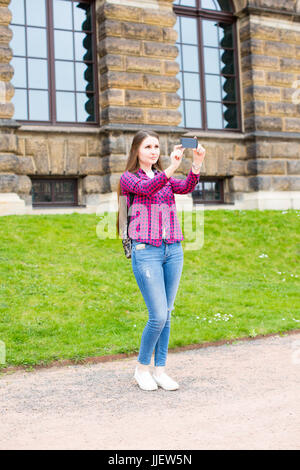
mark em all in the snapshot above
pixel 148 152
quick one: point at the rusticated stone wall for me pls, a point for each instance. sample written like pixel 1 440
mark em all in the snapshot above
pixel 137 65
pixel 270 63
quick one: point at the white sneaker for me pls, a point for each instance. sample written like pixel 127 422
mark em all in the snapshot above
pixel 145 380
pixel 166 382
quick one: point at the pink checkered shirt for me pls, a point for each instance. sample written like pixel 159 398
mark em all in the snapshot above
pixel 153 211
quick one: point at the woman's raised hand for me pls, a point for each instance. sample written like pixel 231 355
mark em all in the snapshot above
pixel 176 156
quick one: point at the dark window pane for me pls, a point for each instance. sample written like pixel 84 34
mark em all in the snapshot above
pixel 36 42
pixel 64 75
pixel 214 115
pixel 62 14
pixel 228 84
pixel 63 45
pixel 65 106
pixel 230 116
pixel 19 78
pixel 37 73
pixel 227 58
pixel 82 16
pixel 18 40
pixel 211 60
pixel 41 191
pixel 19 101
pixel 190 58
pixel 226 35
pixel 193 114
pixel 36 12
pixel 38 105
pixel 191 86
pixel 213 87
pixel 189 30
pixel 18 12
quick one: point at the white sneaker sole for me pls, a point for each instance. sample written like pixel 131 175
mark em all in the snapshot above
pixel 143 386
pixel 169 388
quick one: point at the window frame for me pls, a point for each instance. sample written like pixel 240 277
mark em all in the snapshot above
pixel 53 180
pixel 51 72
pixel 226 17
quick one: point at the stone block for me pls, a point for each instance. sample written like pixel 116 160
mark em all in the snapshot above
pixel 265 62
pixel 123 115
pixel 286 150
pixel 171 67
pixel 281 183
pixel 289 65
pixel 165 117
pixel 171 100
pixel 8 183
pixel 259 183
pixel 267 167
pixel 157 49
pixel 293 167
pixel 25 166
pixel 9 163
pixel 279 49
pixel 120 12
pixel 112 97
pixel 261 93
pixel 254 107
pixel 143 65
pixel 6 33
pixel 161 83
pixel 159 17
pixel 90 166
pixel 238 183
pixel 143 98
pixel 142 31
pixel 121 80
pixel 5 14
pixel 295 183
pixel 109 28
pixel 279 78
pixel 292 124
pixel 236 168
pixel 6 72
pixel 113 164
pixel 5 54
pixel 111 62
pixel 282 109
pixel 24 185
pixel 259 150
pixel 113 45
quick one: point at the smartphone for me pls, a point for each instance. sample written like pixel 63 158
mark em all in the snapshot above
pixel 189 143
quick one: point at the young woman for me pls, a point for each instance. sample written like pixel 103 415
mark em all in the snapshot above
pixel 157 254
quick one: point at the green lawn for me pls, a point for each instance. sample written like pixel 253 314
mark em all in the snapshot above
pixel 66 294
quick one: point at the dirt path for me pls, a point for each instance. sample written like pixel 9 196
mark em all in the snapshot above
pixel 240 396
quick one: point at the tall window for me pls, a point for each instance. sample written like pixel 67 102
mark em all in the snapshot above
pixel 54 61
pixel 207 57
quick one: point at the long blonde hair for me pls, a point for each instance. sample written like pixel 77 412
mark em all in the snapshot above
pixel 133 163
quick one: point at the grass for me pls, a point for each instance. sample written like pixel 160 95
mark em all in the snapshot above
pixel 67 294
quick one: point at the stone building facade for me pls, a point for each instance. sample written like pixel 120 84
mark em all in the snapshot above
pixel 136 85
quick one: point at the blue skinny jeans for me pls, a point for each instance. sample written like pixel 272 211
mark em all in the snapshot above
pixel 157 271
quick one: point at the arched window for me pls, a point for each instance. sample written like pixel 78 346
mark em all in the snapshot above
pixel 53 48
pixel 208 62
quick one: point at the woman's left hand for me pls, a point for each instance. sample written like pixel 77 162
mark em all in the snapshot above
pixel 199 154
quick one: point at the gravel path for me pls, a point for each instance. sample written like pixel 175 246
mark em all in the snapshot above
pixel 239 396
